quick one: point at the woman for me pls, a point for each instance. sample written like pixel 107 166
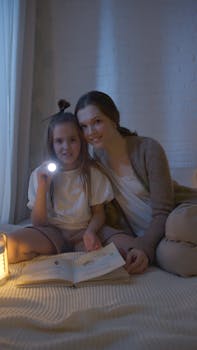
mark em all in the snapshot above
pixel 151 203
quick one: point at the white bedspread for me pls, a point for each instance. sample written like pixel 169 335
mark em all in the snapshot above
pixel 155 311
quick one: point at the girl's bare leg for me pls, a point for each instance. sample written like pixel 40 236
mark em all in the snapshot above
pixel 25 244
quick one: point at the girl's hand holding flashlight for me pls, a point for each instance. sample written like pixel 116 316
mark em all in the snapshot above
pixel 46 173
pixel 51 167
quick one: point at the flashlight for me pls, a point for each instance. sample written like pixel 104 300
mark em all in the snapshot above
pixel 52 167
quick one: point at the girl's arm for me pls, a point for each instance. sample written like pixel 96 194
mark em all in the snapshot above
pixel 39 215
pixel 90 237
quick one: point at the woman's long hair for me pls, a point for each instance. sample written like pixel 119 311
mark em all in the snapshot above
pixel 106 105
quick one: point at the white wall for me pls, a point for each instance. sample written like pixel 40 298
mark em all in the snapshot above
pixel 142 52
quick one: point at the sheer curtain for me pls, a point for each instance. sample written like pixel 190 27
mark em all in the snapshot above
pixel 12 34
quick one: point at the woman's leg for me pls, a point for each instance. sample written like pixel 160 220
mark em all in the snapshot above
pixel 123 241
pixel 177 252
pixel 176 257
pixel 106 235
pixel 182 223
pixel 25 244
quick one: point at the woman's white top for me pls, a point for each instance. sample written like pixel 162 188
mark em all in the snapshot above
pixel 133 198
pixel 71 208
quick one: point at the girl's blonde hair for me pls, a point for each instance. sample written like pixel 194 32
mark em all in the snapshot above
pixel 84 157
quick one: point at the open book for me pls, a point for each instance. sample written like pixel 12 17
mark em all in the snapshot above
pixel 76 268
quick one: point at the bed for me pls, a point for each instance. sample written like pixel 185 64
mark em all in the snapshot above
pixel 156 311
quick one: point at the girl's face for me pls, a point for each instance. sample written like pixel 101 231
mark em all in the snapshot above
pixel 98 129
pixel 67 145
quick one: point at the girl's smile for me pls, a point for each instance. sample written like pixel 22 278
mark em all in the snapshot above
pixel 67 145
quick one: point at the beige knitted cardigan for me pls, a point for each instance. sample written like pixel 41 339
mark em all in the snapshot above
pixel 150 164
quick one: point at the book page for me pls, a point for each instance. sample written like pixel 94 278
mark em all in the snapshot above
pixel 97 263
pixel 72 268
pixel 115 276
pixel 52 268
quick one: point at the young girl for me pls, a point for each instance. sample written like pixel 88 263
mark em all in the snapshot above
pixel 67 206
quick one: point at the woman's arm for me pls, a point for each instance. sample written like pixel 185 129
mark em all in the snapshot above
pixel 152 164
pixel 90 237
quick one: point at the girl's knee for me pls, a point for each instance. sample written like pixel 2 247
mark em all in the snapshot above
pixel 18 249
pixel 13 249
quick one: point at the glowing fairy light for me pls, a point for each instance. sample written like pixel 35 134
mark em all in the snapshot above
pixel 4 271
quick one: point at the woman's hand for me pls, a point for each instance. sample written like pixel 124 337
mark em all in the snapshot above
pixel 136 261
pixel 91 241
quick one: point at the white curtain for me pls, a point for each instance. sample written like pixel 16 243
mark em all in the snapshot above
pixel 12 34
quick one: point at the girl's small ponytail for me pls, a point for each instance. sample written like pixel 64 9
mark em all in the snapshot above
pixel 63 104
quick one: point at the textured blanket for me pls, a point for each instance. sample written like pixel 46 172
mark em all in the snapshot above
pixel 155 311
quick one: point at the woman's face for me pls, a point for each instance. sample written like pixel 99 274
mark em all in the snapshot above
pixel 97 128
pixel 67 145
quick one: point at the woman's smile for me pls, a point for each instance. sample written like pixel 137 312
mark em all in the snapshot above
pixel 97 128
